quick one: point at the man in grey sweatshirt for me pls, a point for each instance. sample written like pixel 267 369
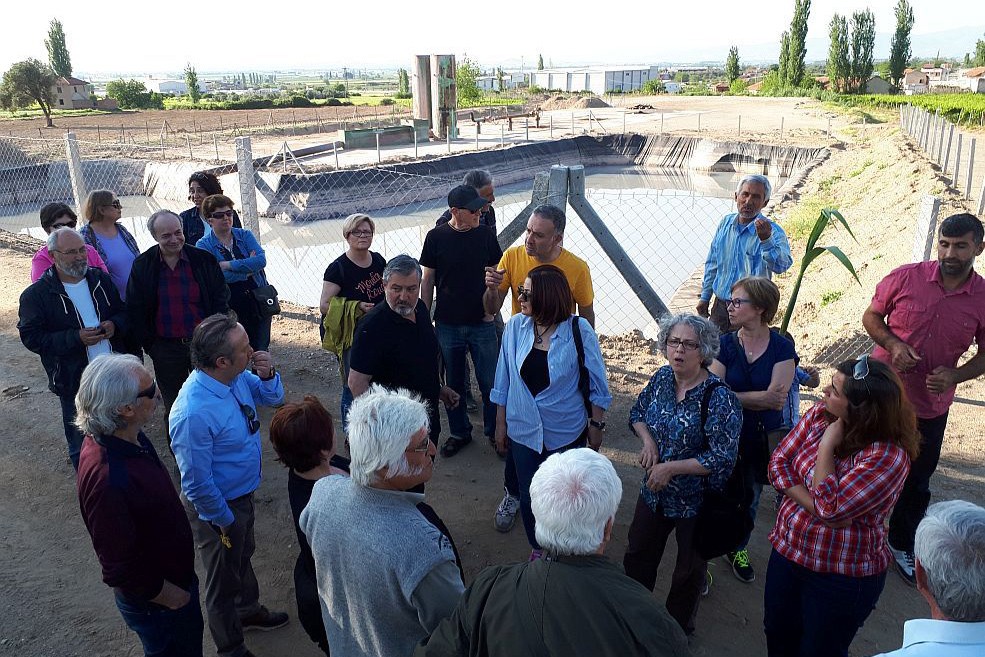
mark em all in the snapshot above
pixel 386 574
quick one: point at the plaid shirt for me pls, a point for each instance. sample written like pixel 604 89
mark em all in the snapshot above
pixel 179 301
pixel 863 488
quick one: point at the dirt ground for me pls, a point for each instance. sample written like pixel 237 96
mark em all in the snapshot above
pixel 56 605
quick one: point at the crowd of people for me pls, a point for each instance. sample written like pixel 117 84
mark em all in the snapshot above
pixel 379 573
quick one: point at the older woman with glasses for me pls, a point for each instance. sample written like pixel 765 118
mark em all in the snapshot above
pixel 546 403
pixel 841 470
pixel 688 421
pixel 241 259
pixel 758 364
pixel 53 217
pixel 104 232
pixel 353 285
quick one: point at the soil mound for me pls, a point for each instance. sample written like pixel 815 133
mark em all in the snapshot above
pixel 571 102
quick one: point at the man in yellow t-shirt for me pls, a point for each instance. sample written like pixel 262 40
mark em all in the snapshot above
pixel 542 246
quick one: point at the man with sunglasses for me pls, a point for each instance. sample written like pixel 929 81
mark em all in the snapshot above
pixel 923 317
pixel 69 316
pixel 215 436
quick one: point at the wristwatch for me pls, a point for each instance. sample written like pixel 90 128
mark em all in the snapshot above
pixel 600 425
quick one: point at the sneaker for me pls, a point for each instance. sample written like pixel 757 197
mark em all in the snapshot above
pixel 706 589
pixel 506 513
pixel 905 565
pixel 264 620
pixel 740 566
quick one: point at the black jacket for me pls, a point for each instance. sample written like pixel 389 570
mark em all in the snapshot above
pixel 49 325
pixel 192 227
pixel 143 284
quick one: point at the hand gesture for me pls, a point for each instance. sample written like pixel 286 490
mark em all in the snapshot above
pixel 764 229
pixel 659 476
pixel 648 455
pixel 366 306
pixel 702 308
pixel 942 379
pixel 263 364
pixel 448 397
pixel 91 336
pixel 904 356
pixel 494 277
pixel 815 376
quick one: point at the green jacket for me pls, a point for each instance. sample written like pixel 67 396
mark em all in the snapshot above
pixel 340 325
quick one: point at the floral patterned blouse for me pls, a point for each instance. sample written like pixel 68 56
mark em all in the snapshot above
pixel 675 428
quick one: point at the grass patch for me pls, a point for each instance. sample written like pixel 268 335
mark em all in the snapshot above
pixel 830 297
pixel 800 220
pixel 862 168
pixel 37 113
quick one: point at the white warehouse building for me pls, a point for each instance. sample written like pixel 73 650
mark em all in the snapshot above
pixel 597 79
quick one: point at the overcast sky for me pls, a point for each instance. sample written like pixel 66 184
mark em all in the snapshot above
pixel 112 37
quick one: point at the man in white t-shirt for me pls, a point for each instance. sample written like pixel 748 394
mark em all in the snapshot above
pixel 70 316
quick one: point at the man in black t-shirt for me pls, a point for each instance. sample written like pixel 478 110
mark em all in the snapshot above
pixel 395 345
pixel 454 258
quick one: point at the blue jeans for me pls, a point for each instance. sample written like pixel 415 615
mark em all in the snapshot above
pixel 165 632
pixel 73 435
pixel 479 340
pixel 809 614
pixel 527 461
pixel 346 400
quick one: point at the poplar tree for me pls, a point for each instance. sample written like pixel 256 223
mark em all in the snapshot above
pixel 863 44
pixel 732 65
pixel 191 82
pixel 58 56
pixel 783 73
pixel 899 52
pixel 838 65
pixel 798 42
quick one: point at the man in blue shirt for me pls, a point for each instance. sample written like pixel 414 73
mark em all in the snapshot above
pixel 215 435
pixel 745 244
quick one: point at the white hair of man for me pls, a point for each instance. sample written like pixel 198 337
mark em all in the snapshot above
pixel 381 424
pixel 756 178
pixel 950 546
pixel 573 495
pixel 54 236
pixel 108 383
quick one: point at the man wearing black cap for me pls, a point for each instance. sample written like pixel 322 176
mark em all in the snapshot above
pixel 454 259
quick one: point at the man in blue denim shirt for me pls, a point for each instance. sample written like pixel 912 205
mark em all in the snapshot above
pixel 215 435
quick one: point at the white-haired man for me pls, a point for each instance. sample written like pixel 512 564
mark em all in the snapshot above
pixel 387 574
pixel 950 574
pixel 574 601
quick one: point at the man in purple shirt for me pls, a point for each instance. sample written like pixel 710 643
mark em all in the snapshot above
pixel 138 527
pixel 924 317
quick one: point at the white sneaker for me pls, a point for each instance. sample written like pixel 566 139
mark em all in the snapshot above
pixel 905 565
pixel 506 513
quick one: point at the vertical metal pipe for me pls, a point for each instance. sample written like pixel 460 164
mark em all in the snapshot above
pixel 971 168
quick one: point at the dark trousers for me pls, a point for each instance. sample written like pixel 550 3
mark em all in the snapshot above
pixel 231 588
pixel 309 605
pixel 915 496
pixel 172 365
pixel 510 482
pixel 719 315
pixel 648 536
pixel 809 614
pixel 165 632
pixel 526 462
pixel 244 304
pixel 73 435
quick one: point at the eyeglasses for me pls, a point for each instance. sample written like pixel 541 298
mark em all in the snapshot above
pixel 522 292
pixel 222 214
pixel 72 252
pixel 689 345
pixel 115 204
pixel 251 418
pixel 150 392
pixel 862 370
pixel 736 302
pixel 361 233
pixel 70 224
pixel 423 448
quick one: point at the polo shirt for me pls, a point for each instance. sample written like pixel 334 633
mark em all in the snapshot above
pixel 397 352
pixel 923 637
pixel 179 300
pixel 939 324
pixel 518 264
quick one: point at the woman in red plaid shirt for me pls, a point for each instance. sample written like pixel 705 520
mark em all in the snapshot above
pixel 841 470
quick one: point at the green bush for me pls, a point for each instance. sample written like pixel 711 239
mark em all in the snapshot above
pixel 387 101
pixel 333 102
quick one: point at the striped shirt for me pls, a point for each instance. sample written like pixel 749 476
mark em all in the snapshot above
pixel 863 488
pixel 737 252
pixel 179 300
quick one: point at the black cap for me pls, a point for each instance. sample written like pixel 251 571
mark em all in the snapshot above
pixel 465 197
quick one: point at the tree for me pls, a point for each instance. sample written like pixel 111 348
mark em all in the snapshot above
pixel 797 47
pixel 191 83
pixel 838 63
pixel 732 65
pixel 540 62
pixel 979 53
pixel 652 88
pixel 130 94
pixel 499 78
pixel 783 72
pixel 738 87
pixel 58 56
pixel 899 51
pixel 26 83
pixel 403 83
pixel 466 73
pixel 863 44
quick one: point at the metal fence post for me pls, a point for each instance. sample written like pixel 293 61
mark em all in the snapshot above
pixel 526 128
pixel 947 149
pixel 415 147
pixel 247 186
pixel 981 199
pixel 379 156
pixel 75 175
pixel 781 128
pixel 971 168
pixel 551 119
pixel 940 141
pixel 957 163
pixel 926 232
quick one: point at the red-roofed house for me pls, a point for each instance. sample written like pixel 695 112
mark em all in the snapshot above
pixel 974 78
pixel 73 93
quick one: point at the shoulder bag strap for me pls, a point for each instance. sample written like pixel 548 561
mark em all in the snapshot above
pixel 583 385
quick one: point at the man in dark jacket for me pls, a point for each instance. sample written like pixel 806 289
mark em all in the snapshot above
pixel 172 288
pixel 571 602
pixel 69 316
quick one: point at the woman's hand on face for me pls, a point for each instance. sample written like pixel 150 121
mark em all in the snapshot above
pixel 659 476
pixel 834 434
pixel 648 455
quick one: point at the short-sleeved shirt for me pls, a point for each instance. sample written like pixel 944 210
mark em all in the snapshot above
pixel 358 283
pixel 518 264
pixel 396 352
pixel 939 324
pixel 459 260
pixel 743 376
pixel 487 218
pixel 119 260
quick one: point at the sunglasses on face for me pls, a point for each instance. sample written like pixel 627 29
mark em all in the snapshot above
pixel 115 204
pixel 252 421
pixel 150 392
pixel 222 214
pixel 522 293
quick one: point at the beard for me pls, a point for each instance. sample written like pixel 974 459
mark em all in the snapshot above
pixel 403 309
pixel 76 271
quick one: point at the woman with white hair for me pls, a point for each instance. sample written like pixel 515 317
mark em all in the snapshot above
pixel 688 421
pixel 374 548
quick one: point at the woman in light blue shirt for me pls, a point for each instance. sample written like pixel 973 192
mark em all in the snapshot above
pixel 543 395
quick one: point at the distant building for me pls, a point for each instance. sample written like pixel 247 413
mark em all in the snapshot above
pixel 973 79
pixel 173 87
pixel 598 80
pixel 915 82
pixel 672 87
pixel 876 85
pixel 72 93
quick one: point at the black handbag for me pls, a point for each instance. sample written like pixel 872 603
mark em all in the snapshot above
pixel 267 302
pixel 723 520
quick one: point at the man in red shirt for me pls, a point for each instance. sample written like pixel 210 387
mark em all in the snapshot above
pixel 924 317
